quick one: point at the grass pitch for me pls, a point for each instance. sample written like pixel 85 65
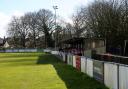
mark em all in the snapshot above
pixel 41 71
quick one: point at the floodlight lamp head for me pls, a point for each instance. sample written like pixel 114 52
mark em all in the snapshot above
pixel 55 7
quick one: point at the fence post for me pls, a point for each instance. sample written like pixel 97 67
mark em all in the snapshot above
pixel 118 76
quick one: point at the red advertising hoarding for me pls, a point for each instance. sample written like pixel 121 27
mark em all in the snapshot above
pixel 78 63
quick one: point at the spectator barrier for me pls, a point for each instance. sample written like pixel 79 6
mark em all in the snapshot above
pixel 123 77
pixel 83 64
pixel 74 61
pixel 90 67
pixel 113 75
pixel 63 57
pixel 98 70
pixel 21 50
pixel 70 59
pixel 54 52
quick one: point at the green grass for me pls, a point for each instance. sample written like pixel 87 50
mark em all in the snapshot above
pixel 41 71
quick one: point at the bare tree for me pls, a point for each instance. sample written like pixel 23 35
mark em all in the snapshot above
pixel 33 26
pixel 79 21
pixel 33 29
pixel 45 24
pixel 108 19
pixel 13 32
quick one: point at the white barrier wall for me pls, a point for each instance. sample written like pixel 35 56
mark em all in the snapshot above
pixel 68 59
pixel 110 75
pixel 63 57
pixel 47 50
pixel 16 50
pixel 83 64
pixel 114 76
pixel 90 67
pixel 61 54
pixel 8 50
pixel 98 70
pixel 55 52
pixel 21 50
pixel 74 61
pixel 123 77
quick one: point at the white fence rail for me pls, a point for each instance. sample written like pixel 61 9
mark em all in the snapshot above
pixel 83 64
pixel 90 67
pixel 98 70
pixel 53 52
pixel 70 59
pixel 20 50
pixel 63 56
pixel 110 75
pixel 74 61
pixel 113 75
pixel 123 77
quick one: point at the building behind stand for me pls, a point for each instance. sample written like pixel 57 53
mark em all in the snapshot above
pixel 83 46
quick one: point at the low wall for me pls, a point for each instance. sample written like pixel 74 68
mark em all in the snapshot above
pixel 98 70
pixel 123 77
pixel 113 75
pixel 83 64
pixel 21 50
pixel 90 67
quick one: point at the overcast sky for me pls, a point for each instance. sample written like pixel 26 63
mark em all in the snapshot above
pixel 9 8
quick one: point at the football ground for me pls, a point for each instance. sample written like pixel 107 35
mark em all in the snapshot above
pixel 41 71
